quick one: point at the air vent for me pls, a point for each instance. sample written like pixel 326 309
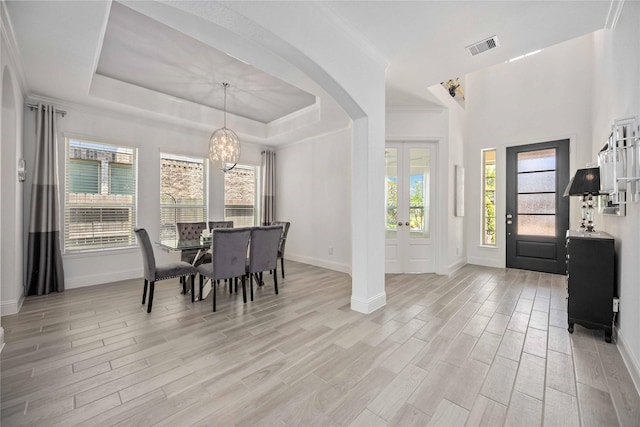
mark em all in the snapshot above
pixel 484 45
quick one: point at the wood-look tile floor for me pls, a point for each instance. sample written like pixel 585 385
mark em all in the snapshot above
pixel 483 346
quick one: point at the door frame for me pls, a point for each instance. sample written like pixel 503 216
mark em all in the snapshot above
pixel 511 185
pixel 438 187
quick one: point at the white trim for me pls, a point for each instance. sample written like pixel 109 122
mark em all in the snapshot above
pixel 615 9
pixel 6 29
pixel 310 138
pixel 318 262
pixel 102 278
pixel 369 305
pixel 629 360
pixel 487 262
pixel 11 306
pixel 415 109
pixel 1 338
pixel 454 266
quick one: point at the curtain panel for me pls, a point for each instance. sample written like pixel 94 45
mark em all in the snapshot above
pixel 44 258
pixel 268 208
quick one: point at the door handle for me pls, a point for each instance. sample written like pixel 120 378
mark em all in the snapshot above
pixel 509 222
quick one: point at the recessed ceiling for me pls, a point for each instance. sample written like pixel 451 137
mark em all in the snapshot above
pixel 141 51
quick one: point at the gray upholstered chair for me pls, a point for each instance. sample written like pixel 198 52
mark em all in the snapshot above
pixel 220 224
pixel 263 254
pixel 192 231
pixel 153 272
pixel 283 241
pixel 229 254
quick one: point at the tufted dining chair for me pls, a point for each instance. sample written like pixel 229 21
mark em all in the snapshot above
pixel 192 231
pixel 283 241
pixel 263 254
pixel 220 224
pixel 153 272
pixel 229 249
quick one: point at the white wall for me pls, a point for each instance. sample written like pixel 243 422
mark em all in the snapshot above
pixel 541 98
pixel 616 89
pixel 11 248
pixel 452 246
pixel 151 138
pixel 313 192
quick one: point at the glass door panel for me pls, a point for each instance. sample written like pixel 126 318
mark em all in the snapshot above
pixel 391 192
pixel 536 194
pixel 419 183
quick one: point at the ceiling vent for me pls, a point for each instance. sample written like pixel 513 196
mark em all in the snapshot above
pixel 484 45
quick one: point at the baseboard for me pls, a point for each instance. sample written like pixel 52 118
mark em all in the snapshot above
pixel 486 262
pixel 369 305
pixel 330 265
pixel 11 306
pixel 98 279
pixel 451 268
pixel 629 360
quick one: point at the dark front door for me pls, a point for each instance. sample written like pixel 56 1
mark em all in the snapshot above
pixel 537 214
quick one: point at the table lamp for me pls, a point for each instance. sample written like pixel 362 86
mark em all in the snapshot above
pixel 586 184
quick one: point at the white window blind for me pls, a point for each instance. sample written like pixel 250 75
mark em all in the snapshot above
pixel 241 196
pixel 100 196
pixel 182 192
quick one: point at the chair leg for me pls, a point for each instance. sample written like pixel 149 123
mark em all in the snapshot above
pixel 282 266
pixel 261 281
pixel 244 290
pixel 244 279
pixel 213 291
pixel 202 286
pixel 150 297
pixel 144 292
pixel 275 279
pixel 183 280
pixel 236 281
pixel 193 286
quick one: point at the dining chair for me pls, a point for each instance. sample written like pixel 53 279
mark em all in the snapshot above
pixel 228 260
pixel 220 224
pixel 263 254
pixel 192 231
pixel 154 272
pixel 283 241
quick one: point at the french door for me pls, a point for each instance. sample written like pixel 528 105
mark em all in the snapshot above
pixel 409 194
pixel 537 214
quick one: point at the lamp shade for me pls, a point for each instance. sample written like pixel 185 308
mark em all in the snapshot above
pixel 584 182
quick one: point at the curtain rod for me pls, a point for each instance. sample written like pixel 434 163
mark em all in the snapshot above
pixel 34 106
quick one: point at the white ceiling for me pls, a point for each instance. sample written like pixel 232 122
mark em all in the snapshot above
pixel 78 53
pixel 143 52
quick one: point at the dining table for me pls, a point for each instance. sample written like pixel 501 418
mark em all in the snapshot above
pixel 201 244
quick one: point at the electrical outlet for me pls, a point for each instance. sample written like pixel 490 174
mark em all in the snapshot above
pixel 616 305
pixel 330 250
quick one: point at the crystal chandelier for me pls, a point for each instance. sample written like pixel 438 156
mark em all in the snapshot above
pixel 224 145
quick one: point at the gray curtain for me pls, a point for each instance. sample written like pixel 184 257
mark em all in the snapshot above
pixel 268 208
pixel 44 258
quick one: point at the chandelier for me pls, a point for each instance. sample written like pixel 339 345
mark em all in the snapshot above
pixel 224 145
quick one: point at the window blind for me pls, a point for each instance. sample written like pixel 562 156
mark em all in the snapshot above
pixel 100 196
pixel 182 192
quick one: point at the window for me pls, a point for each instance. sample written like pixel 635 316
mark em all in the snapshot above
pixel 100 196
pixel 183 192
pixel 240 196
pixel 489 197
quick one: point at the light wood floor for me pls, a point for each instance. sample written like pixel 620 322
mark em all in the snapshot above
pixel 484 346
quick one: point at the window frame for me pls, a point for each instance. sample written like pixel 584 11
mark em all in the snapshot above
pixel 257 193
pixel 483 194
pixel 128 240
pixel 168 232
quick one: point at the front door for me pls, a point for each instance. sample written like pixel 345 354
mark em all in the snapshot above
pixel 409 195
pixel 537 215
